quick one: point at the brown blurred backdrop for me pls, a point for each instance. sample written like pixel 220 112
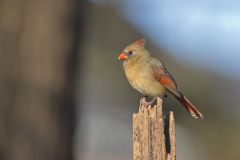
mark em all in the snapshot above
pixel 39 41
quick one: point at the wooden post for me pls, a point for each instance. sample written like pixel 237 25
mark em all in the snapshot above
pixel 153 137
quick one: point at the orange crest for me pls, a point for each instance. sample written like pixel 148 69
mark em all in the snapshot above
pixel 140 42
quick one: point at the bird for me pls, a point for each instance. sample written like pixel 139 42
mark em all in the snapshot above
pixel 148 75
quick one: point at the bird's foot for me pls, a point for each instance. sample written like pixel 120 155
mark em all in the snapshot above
pixel 143 101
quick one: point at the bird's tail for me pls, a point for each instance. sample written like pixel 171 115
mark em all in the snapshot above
pixel 189 106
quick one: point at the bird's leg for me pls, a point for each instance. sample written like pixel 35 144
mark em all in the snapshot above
pixel 145 103
pixel 151 102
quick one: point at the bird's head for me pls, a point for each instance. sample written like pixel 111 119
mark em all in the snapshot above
pixel 134 51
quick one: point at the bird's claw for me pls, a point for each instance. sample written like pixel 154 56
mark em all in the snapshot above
pixel 143 102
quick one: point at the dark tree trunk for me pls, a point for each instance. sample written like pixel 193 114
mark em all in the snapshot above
pixel 38 53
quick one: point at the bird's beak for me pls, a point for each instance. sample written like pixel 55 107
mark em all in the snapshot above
pixel 122 56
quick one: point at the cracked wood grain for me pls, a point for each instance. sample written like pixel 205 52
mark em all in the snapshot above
pixel 153 136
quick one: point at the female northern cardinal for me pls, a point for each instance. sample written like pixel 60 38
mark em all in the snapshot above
pixel 149 76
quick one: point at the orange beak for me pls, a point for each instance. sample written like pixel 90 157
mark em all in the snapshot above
pixel 122 56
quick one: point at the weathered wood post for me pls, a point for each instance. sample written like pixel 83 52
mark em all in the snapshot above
pixel 153 137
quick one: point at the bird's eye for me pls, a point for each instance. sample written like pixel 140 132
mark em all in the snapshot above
pixel 130 52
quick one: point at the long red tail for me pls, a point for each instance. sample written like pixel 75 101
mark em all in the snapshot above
pixel 189 106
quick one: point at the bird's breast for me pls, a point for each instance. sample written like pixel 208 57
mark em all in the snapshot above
pixel 142 79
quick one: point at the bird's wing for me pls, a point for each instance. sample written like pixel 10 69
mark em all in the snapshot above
pixel 163 76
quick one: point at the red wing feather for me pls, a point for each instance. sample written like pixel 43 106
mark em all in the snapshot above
pixel 167 82
pixel 164 77
pixel 171 86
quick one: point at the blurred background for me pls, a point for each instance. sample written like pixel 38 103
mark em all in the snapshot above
pixel 63 93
